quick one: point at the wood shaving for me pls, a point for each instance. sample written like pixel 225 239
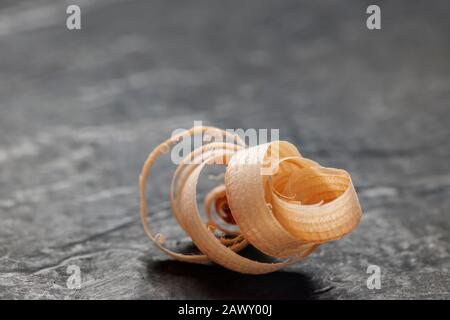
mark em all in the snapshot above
pixel 286 214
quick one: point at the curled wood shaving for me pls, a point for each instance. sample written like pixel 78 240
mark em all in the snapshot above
pixel 286 214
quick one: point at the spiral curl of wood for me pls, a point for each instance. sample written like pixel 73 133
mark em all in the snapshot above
pixel 286 208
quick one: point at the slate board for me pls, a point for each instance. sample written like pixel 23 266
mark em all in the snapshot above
pixel 80 110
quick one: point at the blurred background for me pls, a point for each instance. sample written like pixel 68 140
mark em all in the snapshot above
pixel 81 109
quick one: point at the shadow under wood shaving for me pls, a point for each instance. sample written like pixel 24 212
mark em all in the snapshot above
pixel 215 282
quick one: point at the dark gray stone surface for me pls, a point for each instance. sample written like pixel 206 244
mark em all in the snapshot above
pixel 79 111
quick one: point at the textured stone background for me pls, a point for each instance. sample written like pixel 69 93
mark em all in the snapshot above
pixel 79 111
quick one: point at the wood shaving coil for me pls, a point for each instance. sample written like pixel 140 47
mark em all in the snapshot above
pixel 285 213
